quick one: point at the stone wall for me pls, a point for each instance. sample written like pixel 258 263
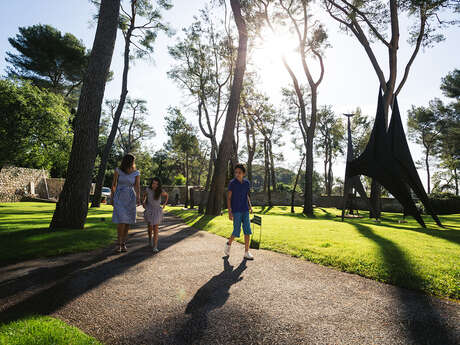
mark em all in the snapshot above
pixel 278 198
pixel 388 204
pixel 16 182
pixel 260 198
pixel 54 188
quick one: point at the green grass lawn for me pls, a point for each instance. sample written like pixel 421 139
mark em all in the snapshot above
pixel 43 330
pixel 24 232
pixel 401 254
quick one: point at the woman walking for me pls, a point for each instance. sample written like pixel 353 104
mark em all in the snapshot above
pixel 153 213
pixel 125 196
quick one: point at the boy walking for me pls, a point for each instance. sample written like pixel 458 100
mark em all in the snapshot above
pixel 239 206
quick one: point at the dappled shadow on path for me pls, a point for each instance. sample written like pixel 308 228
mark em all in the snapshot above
pixel 212 295
pixel 56 286
pixel 418 312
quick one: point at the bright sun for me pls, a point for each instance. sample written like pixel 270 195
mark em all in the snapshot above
pixel 275 46
pixel 268 53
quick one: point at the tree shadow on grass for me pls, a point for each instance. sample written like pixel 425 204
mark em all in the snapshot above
pixel 32 243
pixel 280 211
pixel 419 314
pixel 28 239
pixel 47 211
pixel 71 280
pixel 266 209
pixel 212 295
pixel 447 233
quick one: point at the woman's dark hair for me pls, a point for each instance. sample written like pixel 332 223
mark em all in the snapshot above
pixel 159 189
pixel 241 167
pixel 127 162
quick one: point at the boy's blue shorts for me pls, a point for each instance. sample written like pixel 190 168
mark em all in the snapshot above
pixel 238 219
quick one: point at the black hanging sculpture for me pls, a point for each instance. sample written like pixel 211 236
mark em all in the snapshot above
pixel 387 159
pixel 353 181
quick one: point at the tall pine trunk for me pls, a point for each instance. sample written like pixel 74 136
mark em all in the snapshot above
pixel 308 196
pixel 116 120
pixel 428 177
pixel 272 164
pixel 250 146
pixel 295 185
pixel 329 178
pixel 456 181
pixel 186 180
pixel 216 193
pixel 208 182
pixel 267 173
pixel 325 176
pixel 72 207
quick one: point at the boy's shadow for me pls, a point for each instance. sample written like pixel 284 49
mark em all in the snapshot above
pixel 212 295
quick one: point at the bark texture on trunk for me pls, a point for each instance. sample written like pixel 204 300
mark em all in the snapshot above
pixel 201 207
pixel 116 120
pixel 186 180
pixel 428 178
pixel 295 185
pixel 308 195
pixel 456 181
pixel 72 207
pixel 251 146
pixel 272 165
pixel 267 173
pixel 216 193
pixel 330 176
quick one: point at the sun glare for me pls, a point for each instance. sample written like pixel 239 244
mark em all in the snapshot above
pixel 267 58
pixel 273 47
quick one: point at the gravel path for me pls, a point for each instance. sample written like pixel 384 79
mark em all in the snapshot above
pixel 189 294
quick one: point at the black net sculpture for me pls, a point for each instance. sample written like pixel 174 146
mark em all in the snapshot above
pixel 387 159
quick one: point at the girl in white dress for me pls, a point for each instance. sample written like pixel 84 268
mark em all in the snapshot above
pixel 153 213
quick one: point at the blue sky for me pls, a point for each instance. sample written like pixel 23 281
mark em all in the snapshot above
pixel 349 79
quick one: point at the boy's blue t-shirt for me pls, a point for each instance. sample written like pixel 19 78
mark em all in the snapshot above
pixel 240 191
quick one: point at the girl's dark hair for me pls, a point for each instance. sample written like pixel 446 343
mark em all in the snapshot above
pixel 127 162
pixel 159 189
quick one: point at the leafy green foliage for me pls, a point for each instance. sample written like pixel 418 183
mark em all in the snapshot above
pixel 425 127
pixel 146 29
pixel 179 180
pixel 164 166
pixel 401 254
pixel 43 330
pixel 182 135
pixel 425 124
pixel 34 127
pixel 133 126
pixel 330 141
pixel 451 84
pixel 204 60
pixel 360 131
pixel 48 58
